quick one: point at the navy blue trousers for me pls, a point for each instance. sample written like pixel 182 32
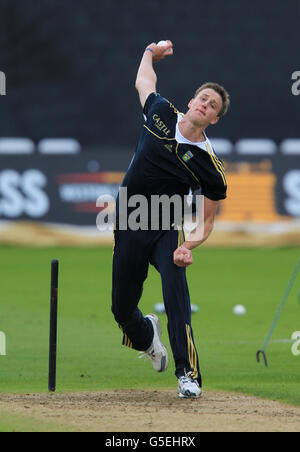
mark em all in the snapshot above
pixel 133 252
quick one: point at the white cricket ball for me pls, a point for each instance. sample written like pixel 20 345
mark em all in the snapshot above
pixel 162 43
pixel 239 309
pixel 159 308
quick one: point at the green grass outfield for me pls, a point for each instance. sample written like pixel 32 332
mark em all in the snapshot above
pixel 90 355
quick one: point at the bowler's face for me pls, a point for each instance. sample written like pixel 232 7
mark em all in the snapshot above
pixel 205 107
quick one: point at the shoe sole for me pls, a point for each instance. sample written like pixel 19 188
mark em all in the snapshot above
pixel 165 359
pixel 164 363
pixel 190 395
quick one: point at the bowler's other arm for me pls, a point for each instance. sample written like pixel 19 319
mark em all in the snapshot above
pixel 183 255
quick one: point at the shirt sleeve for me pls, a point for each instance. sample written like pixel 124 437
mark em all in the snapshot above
pixel 154 102
pixel 213 194
pixel 214 184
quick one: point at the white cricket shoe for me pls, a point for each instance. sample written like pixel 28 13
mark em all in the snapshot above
pixel 188 388
pixel 157 353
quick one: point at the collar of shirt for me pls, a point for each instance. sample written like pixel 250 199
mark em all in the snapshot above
pixel 182 140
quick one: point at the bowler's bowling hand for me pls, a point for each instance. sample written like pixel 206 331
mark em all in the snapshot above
pixel 183 257
pixel 159 51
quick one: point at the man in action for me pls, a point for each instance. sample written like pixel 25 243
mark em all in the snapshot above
pixel 173 156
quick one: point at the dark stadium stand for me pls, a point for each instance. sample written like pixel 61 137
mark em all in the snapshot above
pixel 71 66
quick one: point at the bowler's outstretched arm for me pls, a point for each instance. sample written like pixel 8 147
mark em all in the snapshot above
pixel 146 77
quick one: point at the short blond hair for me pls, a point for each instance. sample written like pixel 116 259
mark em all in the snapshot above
pixel 221 91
